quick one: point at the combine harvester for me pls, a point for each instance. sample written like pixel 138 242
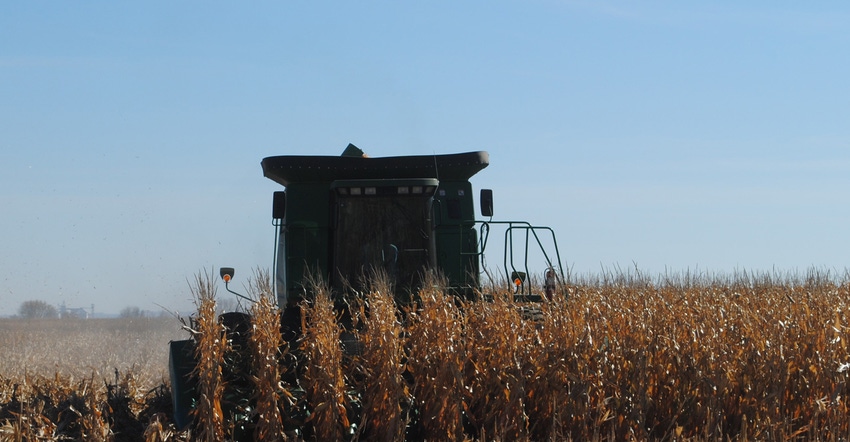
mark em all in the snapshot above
pixel 351 216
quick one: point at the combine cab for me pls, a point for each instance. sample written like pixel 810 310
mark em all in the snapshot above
pixel 345 218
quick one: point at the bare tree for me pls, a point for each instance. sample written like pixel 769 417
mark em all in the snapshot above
pixel 35 309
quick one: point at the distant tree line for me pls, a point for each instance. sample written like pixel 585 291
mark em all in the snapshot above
pixel 131 312
pixel 37 309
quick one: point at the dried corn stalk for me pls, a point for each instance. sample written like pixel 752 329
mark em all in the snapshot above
pixel 211 345
pixel 324 378
pixel 265 343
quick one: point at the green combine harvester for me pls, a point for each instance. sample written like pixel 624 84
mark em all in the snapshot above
pixel 349 217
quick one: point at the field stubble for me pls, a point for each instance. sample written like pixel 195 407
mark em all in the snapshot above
pixel 76 348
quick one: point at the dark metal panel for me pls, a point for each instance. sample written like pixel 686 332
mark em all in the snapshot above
pixel 288 169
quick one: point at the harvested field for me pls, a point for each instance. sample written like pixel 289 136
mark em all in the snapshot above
pixel 74 379
pixel 79 348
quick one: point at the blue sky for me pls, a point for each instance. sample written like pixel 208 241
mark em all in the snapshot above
pixel 708 137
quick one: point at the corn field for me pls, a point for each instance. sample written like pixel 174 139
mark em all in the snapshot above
pixel 615 357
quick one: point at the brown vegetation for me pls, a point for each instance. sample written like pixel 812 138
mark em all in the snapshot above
pixel 620 358
pixel 96 379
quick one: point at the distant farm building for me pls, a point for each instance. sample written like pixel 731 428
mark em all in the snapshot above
pixel 75 313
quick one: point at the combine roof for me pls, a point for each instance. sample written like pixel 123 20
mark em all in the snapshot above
pixel 289 169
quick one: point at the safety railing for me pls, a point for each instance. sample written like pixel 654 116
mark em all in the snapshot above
pixel 516 262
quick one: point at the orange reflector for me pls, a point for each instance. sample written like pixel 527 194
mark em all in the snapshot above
pixel 226 278
pixel 517 281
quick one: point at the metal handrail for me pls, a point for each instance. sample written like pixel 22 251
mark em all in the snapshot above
pixel 509 264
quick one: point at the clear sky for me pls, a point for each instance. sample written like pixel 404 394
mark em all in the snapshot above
pixel 701 136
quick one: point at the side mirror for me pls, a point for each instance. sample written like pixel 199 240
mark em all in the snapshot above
pixel 486 202
pixel 279 205
pixel 226 273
